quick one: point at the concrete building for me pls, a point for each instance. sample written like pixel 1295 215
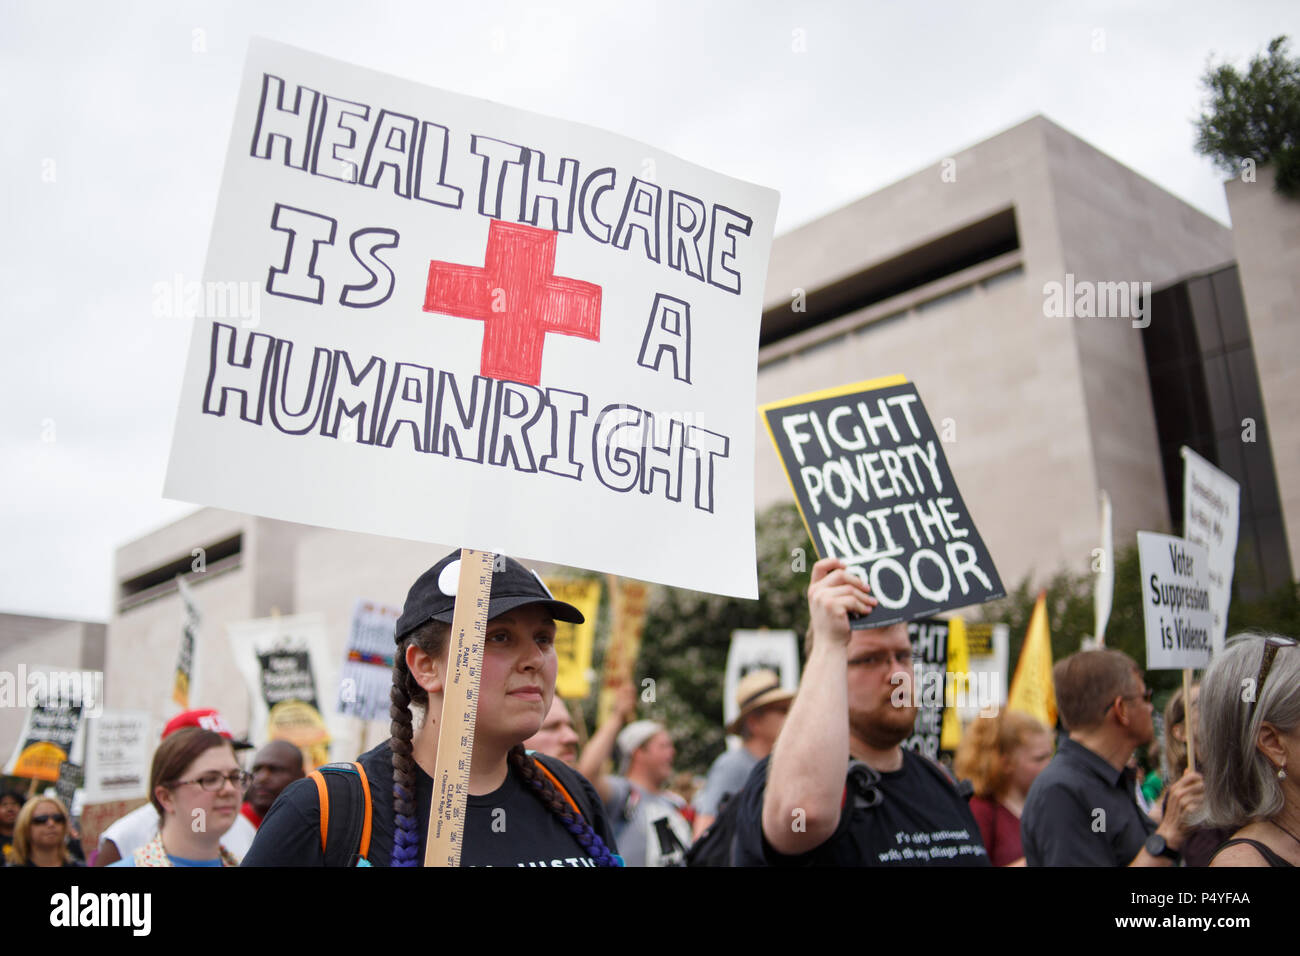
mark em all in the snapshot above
pixel 941 277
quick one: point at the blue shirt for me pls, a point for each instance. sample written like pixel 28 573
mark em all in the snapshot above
pixel 175 861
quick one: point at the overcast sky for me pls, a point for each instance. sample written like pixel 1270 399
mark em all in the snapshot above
pixel 117 116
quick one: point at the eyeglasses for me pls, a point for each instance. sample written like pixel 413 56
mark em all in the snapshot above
pixel 214 779
pixel 1271 646
pixel 42 818
pixel 1146 695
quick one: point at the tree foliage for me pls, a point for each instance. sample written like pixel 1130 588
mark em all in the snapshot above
pixel 1254 115
pixel 687 634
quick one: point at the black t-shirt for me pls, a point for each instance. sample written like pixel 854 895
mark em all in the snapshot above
pixel 508 827
pixel 921 820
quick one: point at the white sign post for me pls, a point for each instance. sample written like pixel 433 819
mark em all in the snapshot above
pixel 438 318
pixel 1175 602
pixel 1211 514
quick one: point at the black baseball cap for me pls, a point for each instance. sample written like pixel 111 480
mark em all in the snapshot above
pixel 433 595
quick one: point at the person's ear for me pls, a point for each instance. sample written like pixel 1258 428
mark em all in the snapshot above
pixel 426 669
pixel 165 799
pixel 1115 708
pixel 1179 733
pixel 1269 743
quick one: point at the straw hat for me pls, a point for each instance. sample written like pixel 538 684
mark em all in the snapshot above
pixel 757 689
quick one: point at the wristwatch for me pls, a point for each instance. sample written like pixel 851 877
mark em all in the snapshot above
pixel 1157 846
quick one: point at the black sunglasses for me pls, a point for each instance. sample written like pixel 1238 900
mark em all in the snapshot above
pixel 43 818
pixel 1271 646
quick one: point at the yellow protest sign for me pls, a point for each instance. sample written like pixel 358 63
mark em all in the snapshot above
pixel 959 678
pixel 574 642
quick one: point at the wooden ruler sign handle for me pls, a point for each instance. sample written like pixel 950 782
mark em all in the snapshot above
pixel 460 691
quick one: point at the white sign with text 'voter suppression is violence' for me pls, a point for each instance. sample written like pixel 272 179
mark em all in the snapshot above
pixel 1175 601
pixel 435 317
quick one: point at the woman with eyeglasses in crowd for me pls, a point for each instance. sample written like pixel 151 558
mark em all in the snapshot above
pixel 1249 735
pixel 41 835
pixel 196 785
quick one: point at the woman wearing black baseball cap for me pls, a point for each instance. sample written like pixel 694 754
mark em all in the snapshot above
pixel 522 810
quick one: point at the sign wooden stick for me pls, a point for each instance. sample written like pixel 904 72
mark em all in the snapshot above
pixel 1187 720
pixel 459 709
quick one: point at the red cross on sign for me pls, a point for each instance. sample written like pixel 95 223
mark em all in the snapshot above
pixel 518 299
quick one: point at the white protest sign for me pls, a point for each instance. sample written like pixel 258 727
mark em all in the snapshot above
pixel 1211 512
pixel 987 648
pixel 285 662
pixel 119 749
pixel 57 702
pixel 367 679
pixel 758 650
pixel 438 318
pixel 1175 602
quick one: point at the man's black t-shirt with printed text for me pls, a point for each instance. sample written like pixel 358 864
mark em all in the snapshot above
pixel 919 820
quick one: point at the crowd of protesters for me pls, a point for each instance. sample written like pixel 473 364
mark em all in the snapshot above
pixel 820 777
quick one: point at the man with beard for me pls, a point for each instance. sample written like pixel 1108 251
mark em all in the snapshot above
pixel 843 792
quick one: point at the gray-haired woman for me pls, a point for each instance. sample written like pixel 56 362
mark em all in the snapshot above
pixel 1249 735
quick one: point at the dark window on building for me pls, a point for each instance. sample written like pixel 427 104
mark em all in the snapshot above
pixel 969 246
pixel 1205 392
pixel 218 556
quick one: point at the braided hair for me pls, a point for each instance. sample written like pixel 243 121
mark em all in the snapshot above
pixel 431 638
pixel 542 788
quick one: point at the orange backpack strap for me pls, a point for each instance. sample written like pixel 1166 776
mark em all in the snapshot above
pixel 350 844
pixel 365 827
pixel 318 778
pixel 558 786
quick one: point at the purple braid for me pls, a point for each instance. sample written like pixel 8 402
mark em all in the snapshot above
pixel 543 789
pixel 406 830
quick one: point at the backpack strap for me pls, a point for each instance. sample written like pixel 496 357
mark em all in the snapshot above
pixel 345 833
pixel 965 789
pixel 864 783
pixel 555 782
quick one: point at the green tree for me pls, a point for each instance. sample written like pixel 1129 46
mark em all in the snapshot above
pixel 1254 116
pixel 687 634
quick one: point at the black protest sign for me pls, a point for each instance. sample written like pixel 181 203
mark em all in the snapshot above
pixel 71 777
pixel 929 681
pixel 874 489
